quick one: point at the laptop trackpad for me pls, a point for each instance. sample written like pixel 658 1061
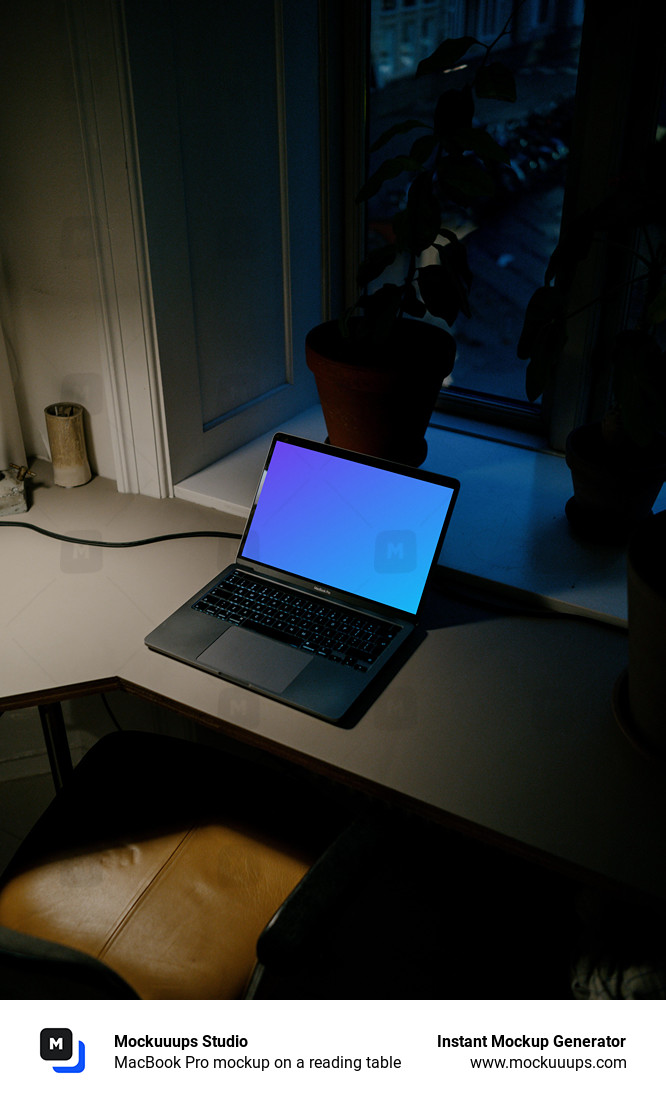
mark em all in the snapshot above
pixel 256 660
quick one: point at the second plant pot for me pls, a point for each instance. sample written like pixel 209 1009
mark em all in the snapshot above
pixel 615 487
pixel 640 696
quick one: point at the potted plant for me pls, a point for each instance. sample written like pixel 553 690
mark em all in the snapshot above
pixel 618 464
pixel 380 367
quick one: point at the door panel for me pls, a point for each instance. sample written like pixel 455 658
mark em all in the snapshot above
pixel 226 106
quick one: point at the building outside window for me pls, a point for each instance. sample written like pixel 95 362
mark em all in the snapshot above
pixel 510 235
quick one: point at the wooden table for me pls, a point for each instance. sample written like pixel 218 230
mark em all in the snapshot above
pixel 499 723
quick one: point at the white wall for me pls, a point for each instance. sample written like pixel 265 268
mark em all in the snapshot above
pixel 49 296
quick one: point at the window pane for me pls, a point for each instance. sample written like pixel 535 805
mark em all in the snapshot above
pixel 511 235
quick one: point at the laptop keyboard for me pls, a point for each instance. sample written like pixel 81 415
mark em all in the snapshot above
pixel 298 619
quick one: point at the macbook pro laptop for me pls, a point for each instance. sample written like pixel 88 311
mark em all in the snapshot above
pixel 328 581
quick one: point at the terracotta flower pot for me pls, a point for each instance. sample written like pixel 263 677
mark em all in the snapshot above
pixel 614 487
pixel 378 399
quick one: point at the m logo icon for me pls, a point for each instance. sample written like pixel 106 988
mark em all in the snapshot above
pixel 395 552
pixel 56 1045
pixel 79 558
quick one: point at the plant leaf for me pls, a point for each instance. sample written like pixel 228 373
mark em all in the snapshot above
pixel 381 310
pixel 376 263
pixel 465 178
pixel 546 351
pixel 480 142
pixel 542 339
pixel 447 54
pixel 423 148
pixel 495 81
pixel 391 168
pixel 454 256
pixel 394 131
pixel 423 214
pixel 454 114
pixel 572 247
pixel 412 304
pixel 416 227
pixel 639 384
pixel 536 379
pixel 545 307
pixel 442 291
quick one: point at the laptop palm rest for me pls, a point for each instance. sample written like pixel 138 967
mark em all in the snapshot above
pixel 242 655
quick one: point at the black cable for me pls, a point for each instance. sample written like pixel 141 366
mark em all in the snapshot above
pixel 123 545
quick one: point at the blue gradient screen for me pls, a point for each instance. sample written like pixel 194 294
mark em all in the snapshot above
pixel 361 529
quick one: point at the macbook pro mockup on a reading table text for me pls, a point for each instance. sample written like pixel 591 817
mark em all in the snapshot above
pixel 326 587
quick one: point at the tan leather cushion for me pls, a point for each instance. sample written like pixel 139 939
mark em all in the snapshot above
pixel 176 916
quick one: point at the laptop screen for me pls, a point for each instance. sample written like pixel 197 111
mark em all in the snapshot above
pixel 346 525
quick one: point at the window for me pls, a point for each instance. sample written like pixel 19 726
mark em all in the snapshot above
pixel 510 235
pixel 587 119
pixel 408 42
pixel 489 17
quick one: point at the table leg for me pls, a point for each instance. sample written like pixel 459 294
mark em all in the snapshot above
pixel 57 745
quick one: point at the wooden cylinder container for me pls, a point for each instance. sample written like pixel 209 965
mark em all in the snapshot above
pixel 64 424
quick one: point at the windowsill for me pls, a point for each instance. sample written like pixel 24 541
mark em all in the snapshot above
pixel 508 533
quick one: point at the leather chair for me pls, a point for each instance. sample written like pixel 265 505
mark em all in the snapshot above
pixel 166 869
pixel 154 870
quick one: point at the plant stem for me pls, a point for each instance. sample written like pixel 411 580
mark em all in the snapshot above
pixel 515 9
